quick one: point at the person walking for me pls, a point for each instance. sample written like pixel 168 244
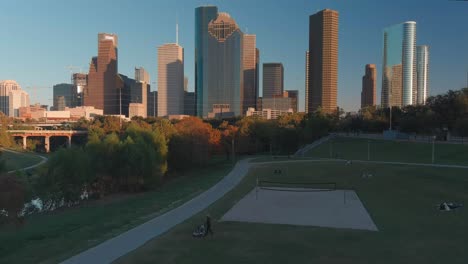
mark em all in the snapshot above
pixel 208 226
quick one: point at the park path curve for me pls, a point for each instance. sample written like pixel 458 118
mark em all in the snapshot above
pixel 43 160
pixel 124 243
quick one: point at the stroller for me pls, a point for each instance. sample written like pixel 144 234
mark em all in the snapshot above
pixel 200 231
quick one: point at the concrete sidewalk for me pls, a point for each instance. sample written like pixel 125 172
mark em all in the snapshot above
pixel 120 245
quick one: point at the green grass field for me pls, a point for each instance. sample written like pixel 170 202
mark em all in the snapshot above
pixel 401 199
pixel 383 150
pixel 14 161
pixel 49 238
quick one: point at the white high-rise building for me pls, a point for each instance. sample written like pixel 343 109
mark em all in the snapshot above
pixel 12 98
pixel 399 85
pixel 170 80
pixel 422 54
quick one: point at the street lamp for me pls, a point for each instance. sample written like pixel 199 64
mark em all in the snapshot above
pixel 433 148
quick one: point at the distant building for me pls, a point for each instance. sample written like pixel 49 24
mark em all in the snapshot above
pixel 322 59
pixel 294 96
pixel 139 93
pixel 422 67
pixel 369 86
pixel 170 79
pixel 273 80
pixel 103 77
pixel 250 64
pixel 189 103
pixel 277 103
pixel 12 98
pixel 87 112
pixel 307 96
pixel 125 86
pixel 152 108
pixel 399 65
pixel 268 113
pixel 220 111
pixel 80 81
pixel 63 96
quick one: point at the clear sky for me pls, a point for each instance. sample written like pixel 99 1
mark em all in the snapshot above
pixel 40 38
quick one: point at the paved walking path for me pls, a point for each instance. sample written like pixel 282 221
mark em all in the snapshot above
pixel 43 160
pixel 120 245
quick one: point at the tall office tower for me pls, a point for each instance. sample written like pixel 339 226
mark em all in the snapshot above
pixel 80 82
pixel 422 62
pixel 399 86
pixel 369 86
pixel 323 62
pixel 102 91
pixel 170 80
pixel 139 93
pixel 307 83
pixel 63 91
pixel 218 64
pixel 12 97
pixel 203 16
pixel 273 80
pixel 250 72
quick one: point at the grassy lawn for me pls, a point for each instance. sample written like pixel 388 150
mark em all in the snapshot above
pixel 50 238
pixel 14 161
pixel 400 199
pixel 383 150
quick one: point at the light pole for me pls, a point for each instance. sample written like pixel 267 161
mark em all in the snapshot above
pixel 433 148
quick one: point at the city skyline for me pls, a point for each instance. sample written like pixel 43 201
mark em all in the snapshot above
pixel 447 70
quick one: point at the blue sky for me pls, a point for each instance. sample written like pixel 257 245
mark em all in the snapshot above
pixel 40 38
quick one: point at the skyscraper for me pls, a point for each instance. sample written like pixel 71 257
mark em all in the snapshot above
pixel 399 87
pixel 80 81
pixel 12 97
pixel 218 64
pixel 369 86
pixel 323 62
pixel 203 16
pixel 102 91
pixel 63 96
pixel 273 80
pixel 139 93
pixel 422 61
pixel 170 80
pixel 250 93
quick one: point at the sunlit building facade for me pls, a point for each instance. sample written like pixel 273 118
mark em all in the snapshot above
pixel 399 85
pixel 170 80
pixel 322 60
pixel 422 67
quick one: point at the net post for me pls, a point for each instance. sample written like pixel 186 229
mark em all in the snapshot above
pixel 256 190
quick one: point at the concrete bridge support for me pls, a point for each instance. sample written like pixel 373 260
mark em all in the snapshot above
pixel 47 143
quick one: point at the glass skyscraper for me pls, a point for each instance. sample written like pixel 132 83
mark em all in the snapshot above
pixel 203 16
pixel 399 87
pixel 219 63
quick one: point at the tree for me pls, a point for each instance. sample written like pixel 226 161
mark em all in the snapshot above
pixel 192 144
